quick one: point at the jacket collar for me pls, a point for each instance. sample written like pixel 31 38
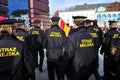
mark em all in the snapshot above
pixel 55 26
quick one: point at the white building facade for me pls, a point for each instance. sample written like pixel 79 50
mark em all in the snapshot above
pixel 91 12
pixel 67 16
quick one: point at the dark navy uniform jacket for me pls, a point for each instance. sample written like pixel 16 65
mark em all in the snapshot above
pixel 15 60
pixel 96 33
pixel 100 34
pixel 112 40
pixel 22 35
pixel 54 41
pixel 37 36
pixel 72 31
pixel 80 48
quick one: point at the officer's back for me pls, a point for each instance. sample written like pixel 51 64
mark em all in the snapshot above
pixel 80 49
pixel 54 41
pixel 37 36
pixel 21 34
pixel 15 59
pixel 99 32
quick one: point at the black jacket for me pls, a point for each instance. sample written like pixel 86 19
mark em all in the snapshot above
pixel 96 33
pixel 15 60
pixel 37 37
pixel 80 48
pixel 54 41
pixel 23 36
pixel 72 31
pixel 111 39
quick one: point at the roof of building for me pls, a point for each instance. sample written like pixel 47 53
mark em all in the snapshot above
pixel 87 6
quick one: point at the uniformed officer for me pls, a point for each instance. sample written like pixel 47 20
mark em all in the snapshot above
pixel 15 60
pixel 68 63
pixel 54 43
pixel 95 33
pixel 80 49
pixel 73 29
pixel 37 43
pixel 99 32
pixel 21 34
pixel 110 47
pixel 13 27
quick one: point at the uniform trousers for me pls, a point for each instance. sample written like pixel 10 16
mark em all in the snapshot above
pixel 54 66
pixel 35 55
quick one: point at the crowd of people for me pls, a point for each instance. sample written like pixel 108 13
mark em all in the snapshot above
pixel 74 56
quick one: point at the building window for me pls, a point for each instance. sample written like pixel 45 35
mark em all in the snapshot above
pixel 108 17
pixel 99 17
pixel 103 17
pixel 118 16
pixel 113 16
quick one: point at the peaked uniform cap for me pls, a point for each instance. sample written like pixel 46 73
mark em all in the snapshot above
pixel 88 21
pixel 112 22
pixel 79 18
pixel 55 18
pixel 7 23
pixel 20 21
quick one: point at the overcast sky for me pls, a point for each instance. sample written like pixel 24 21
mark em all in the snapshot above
pixel 63 4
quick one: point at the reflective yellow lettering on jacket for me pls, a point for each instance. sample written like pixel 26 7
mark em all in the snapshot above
pixel 21 38
pixel 116 36
pixel 55 34
pixel 94 35
pixel 96 29
pixel 9 52
pixel 35 33
pixel 86 43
